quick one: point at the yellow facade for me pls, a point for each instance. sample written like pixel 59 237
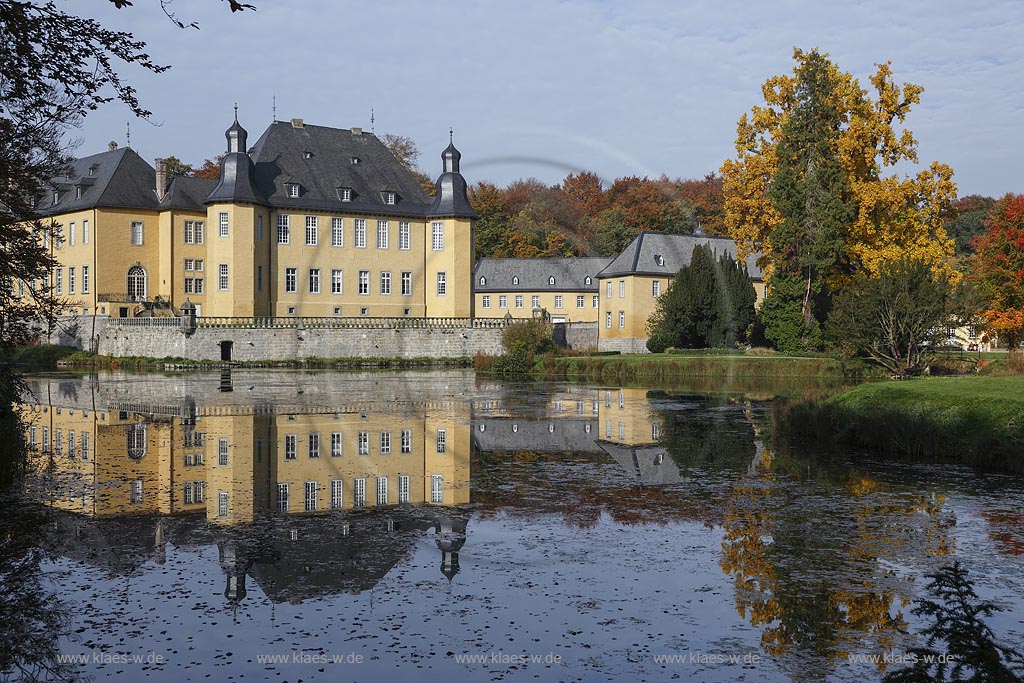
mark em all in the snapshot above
pixel 237 467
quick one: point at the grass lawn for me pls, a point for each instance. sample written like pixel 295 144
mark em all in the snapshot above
pixel 976 420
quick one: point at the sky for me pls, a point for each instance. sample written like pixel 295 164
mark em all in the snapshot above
pixel 540 89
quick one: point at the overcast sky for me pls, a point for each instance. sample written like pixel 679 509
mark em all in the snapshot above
pixel 542 88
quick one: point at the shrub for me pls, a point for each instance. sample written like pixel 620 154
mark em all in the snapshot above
pixel 531 336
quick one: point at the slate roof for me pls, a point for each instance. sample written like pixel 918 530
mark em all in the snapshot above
pixel 559 435
pixel 320 160
pixel 120 179
pixel 533 273
pixel 187 194
pixel 639 258
pixel 450 198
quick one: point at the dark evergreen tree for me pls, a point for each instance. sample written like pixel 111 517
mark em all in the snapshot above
pixel 709 303
pixel 811 193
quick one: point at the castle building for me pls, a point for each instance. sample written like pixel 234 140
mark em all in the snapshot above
pixel 309 221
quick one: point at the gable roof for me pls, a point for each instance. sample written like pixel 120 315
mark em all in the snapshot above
pixel 118 179
pixel 570 274
pixel 187 194
pixel 319 160
pixel 675 251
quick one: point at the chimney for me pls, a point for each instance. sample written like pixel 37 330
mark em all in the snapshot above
pixel 161 179
pixel 111 146
pixel 357 131
pixel 297 123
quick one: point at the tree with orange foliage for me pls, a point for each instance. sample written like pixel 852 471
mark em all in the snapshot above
pixel 997 269
pixel 210 169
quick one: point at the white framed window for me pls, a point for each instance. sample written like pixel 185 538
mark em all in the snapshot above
pixel 291 280
pixel 442 440
pixel 515 279
pixel 293 190
pixel 137 233
pixel 382 490
pixel 655 431
pixel 190 264
pixel 519 300
pixel 406 283
pixel 311 497
pixel 403 488
pixel 314 280
pixel 437 236
pixel 359 225
pixel 404 229
pixel 199 264
pixel 223 280
pixel 222 503
pixel 359 492
pixel 656 288
pixel 314 444
pixel 622 289
pixel 194 232
pixel 223 224
pixel 71 280
pixel 337 494
pixel 345 194
pixel 364 443
pixel 382 234
pixel 580 301
pixel 60 280
pixel 390 197
pixel 85 445
pixel 337 281
pixel 502 301
pixel 385 282
pixel 282 496
pixel 336 444
pixel 608 319
pixel 436 488
pixel 596 302
pixel 291 442
pixel 71 443
pixel 46 439
pixel 558 301
pixel 407 441
pixel 71 234
pixel 337 231
pixel 284 228
pixel 385 443
pixel 622 318
pixel 223 448
pixel 486 300
pixel 535 301
pixel 85 232
pixel 608 289
pixel 58 441
pixel 442 283
pixel 312 231
pixel 364 282
pixel 85 279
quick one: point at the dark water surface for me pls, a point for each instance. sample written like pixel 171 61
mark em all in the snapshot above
pixel 291 526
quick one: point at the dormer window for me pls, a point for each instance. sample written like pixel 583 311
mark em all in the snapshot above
pixel 389 197
pixel 78 191
pixel 355 160
pixel 92 169
pixel 56 196
pixel 515 280
pixel 345 194
pixel 551 280
pixel 483 281
pixel 659 259
pixel 292 189
pixel 588 280
pixel 307 155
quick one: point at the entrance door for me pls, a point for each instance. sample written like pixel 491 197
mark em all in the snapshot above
pixel 225 351
pixel 136 283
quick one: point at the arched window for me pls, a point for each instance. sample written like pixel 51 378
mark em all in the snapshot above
pixel 551 280
pixel 137 283
pixel 515 428
pixel 136 441
pixel 483 281
pixel 515 279
pixel 588 280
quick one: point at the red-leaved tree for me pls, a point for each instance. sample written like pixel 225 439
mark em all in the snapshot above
pixel 997 269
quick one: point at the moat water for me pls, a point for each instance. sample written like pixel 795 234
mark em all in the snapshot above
pixel 433 526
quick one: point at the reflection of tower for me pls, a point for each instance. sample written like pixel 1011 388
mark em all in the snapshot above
pixel 160 543
pixel 235 563
pixel 450 536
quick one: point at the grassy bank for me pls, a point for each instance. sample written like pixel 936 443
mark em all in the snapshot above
pixel 716 367
pixel 973 420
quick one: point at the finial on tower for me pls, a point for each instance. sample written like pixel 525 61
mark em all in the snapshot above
pixel 273 109
pixel 451 135
pixel 236 112
pixel 128 134
pixel 372 129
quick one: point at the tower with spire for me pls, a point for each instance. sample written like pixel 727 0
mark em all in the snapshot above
pixel 451 222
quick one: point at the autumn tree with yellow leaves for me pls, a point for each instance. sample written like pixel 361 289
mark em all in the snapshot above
pixel 813 190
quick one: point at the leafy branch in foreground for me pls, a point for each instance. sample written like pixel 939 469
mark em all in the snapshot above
pixel 971 652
